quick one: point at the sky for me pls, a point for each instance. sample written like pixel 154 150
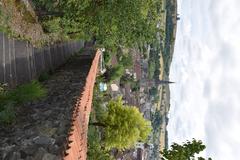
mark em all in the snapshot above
pixel 205 100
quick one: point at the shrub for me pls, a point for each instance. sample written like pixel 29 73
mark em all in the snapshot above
pixel 43 77
pixel 126 60
pixel 107 57
pixel 7 113
pixel 22 94
pixel 27 92
pixel 52 25
pixel 114 73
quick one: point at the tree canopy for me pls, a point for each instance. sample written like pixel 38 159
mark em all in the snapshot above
pixel 123 125
pixel 112 23
pixel 186 151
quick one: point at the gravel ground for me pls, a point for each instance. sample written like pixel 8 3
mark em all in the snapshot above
pixel 41 128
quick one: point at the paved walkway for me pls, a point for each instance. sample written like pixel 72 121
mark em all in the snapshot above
pixel 42 127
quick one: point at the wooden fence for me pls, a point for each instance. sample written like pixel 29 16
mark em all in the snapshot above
pixel 20 62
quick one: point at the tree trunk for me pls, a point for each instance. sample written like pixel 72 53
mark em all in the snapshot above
pixel 97 124
pixel 52 14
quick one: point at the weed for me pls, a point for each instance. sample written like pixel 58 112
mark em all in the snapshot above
pixel 43 76
pixel 22 94
pixel 52 25
pixel 81 51
pixel 7 113
pixel 27 92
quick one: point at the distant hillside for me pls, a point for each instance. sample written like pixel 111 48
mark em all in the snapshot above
pixel 171 27
pixel 170 37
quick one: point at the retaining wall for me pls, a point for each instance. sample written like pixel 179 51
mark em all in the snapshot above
pixel 76 149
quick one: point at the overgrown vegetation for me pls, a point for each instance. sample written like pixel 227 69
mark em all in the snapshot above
pixel 112 23
pixel 4 20
pixel 43 76
pixel 9 99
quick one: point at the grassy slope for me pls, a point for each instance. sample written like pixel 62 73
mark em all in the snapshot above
pixel 18 20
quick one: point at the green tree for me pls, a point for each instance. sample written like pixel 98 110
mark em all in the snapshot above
pixel 186 151
pixel 153 91
pixel 123 125
pixel 151 69
pixel 126 60
pixel 112 23
pixel 95 151
pixel 114 73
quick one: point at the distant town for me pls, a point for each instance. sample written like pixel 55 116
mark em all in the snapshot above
pixel 151 71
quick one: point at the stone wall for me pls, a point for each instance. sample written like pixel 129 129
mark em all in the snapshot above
pixel 20 62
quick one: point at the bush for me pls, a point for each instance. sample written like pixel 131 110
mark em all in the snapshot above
pixel 52 25
pixel 114 73
pixel 22 94
pixel 43 77
pixel 151 69
pixel 153 91
pixel 126 60
pixel 7 113
pixel 107 57
pixel 95 150
pixel 27 92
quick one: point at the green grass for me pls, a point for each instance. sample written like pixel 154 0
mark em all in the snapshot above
pixel 27 92
pixel 9 99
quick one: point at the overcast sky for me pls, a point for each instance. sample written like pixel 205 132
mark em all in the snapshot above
pixel 205 101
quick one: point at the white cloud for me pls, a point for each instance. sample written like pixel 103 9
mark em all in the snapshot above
pixel 205 100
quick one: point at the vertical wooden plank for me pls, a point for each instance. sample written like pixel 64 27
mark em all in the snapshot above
pixel 63 52
pixel 58 55
pixel 52 56
pixel 7 73
pixel 13 63
pixel 22 64
pixel 66 50
pixel 47 59
pixel 1 57
pixel 39 61
pixel 63 59
pixel 32 61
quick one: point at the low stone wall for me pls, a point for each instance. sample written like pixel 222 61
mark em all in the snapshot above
pixel 76 149
pixel 20 62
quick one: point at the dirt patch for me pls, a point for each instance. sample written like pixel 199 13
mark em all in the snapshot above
pixel 20 21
